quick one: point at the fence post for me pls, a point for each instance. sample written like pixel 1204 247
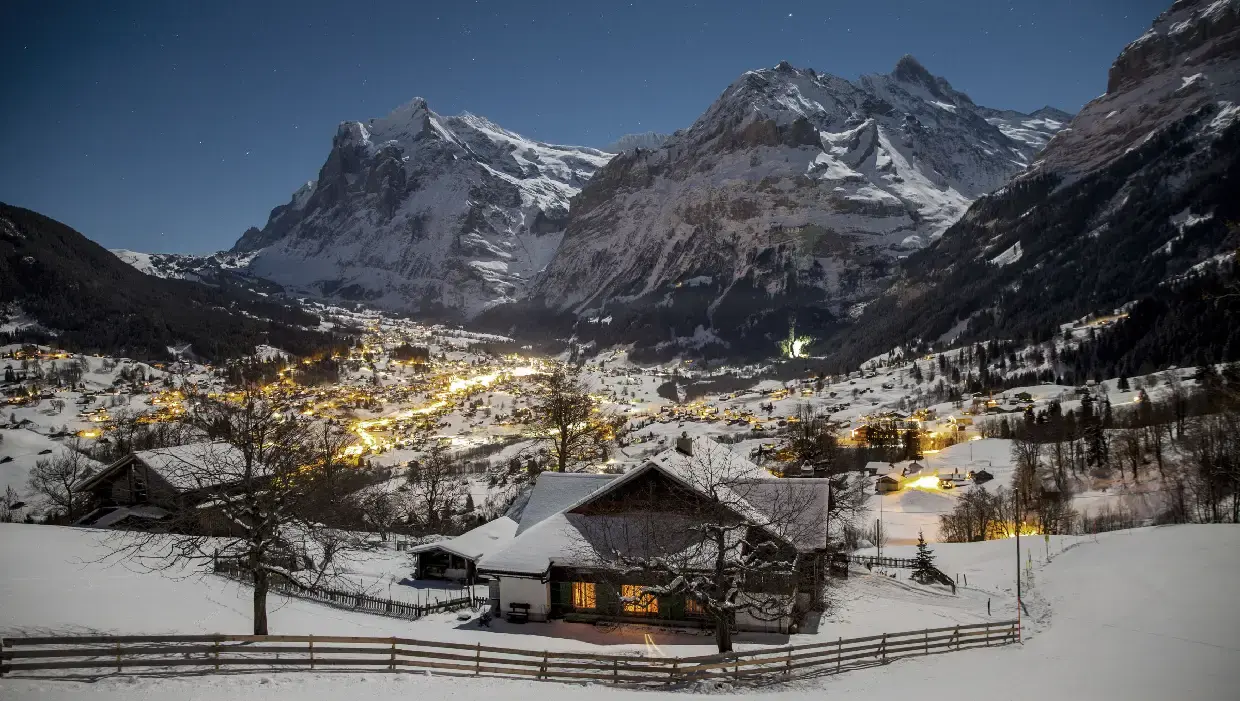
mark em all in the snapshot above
pixel 1 657
pixel 543 670
pixel 118 657
pixel 956 636
pixel 478 660
pixel 311 638
pixel 925 634
pixel 393 662
pixel 883 648
pixel 839 651
pixel 788 665
pixel 217 654
pixel 671 675
pixel 987 635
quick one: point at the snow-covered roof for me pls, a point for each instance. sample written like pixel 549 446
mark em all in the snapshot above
pixel 194 466
pixel 183 467
pixel 555 492
pixel 478 542
pixel 794 510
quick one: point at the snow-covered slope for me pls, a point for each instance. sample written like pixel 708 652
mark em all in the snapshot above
pixel 1134 616
pixel 211 268
pixel 793 184
pixel 420 211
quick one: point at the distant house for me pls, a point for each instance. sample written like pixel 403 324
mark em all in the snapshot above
pixel 876 466
pixel 457 558
pixel 980 476
pixel 913 469
pixel 146 489
pixel 576 529
pixel 887 483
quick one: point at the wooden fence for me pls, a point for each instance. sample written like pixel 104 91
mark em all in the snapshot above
pixel 76 655
pixel 907 563
pixel 356 601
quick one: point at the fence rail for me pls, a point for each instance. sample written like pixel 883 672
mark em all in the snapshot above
pixel 907 563
pixel 354 600
pixel 74 655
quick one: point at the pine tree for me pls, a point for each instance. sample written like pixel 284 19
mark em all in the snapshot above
pixel 924 570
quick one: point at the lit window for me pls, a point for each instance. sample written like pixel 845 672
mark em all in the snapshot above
pixel 636 600
pixel 583 595
pixel 693 607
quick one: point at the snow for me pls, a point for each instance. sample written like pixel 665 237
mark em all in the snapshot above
pixel 24 447
pixel 556 491
pixel 1011 255
pixel 140 261
pixel 477 542
pixel 1106 625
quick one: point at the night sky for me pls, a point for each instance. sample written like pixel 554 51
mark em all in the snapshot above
pixel 175 125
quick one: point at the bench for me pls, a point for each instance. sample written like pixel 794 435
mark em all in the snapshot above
pixel 519 613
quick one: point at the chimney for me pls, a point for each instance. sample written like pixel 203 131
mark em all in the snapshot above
pixel 684 444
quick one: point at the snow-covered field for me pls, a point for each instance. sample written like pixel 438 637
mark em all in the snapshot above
pixel 1132 615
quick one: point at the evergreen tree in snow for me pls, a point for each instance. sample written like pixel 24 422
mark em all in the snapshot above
pixel 924 570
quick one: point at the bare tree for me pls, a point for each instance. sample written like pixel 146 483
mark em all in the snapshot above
pixel 567 419
pixel 383 509
pixel 56 479
pixel 726 539
pixel 436 488
pixel 264 478
pixel 811 441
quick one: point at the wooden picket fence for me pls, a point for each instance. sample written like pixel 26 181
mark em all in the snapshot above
pixel 79 655
pixel 356 601
pixel 907 563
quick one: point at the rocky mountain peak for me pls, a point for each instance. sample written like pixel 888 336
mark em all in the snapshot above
pixel 910 70
pixel 1189 32
pixel 416 211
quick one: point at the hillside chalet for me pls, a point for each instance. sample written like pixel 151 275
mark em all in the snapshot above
pixel 147 489
pixel 580 536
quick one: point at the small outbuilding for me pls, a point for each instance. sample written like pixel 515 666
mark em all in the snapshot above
pixel 457 558
pixel 887 483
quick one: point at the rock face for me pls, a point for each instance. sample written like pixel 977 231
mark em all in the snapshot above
pixel 419 212
pixel 628 142
pixel 1133 198
pixel 794 194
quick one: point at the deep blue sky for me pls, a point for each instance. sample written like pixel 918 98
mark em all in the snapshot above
pixel 174 125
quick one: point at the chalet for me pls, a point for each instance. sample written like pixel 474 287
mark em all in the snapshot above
pixel 580 536
pixel 146 489
pixel 457 558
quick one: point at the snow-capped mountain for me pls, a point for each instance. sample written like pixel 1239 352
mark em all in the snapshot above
pixel 794 191
pixel 1135 199
pixel 416 211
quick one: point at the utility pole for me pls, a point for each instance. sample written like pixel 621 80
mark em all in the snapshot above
pixel 1016 507
pixel 878 527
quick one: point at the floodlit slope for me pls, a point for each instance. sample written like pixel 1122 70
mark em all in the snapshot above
pixel 1138 615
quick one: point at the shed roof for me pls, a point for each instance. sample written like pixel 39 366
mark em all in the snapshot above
pixel 476 543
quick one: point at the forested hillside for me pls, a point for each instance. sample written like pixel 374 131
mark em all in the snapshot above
pixel 91 301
